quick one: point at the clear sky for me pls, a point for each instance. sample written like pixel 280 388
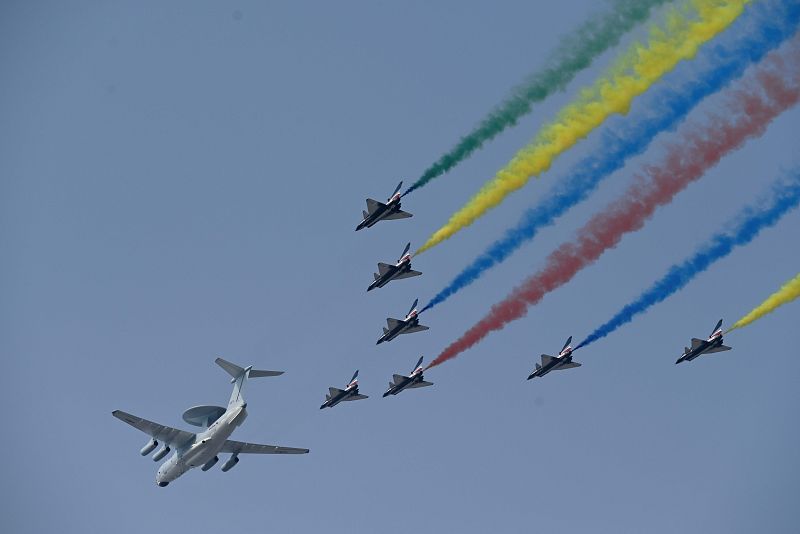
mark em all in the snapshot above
pixel 181 180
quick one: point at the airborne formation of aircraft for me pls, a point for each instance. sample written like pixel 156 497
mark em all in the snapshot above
pixel 409 325
pixel 202 449
pixel 704 346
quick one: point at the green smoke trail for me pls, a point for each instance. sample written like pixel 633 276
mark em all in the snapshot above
pixel 575 53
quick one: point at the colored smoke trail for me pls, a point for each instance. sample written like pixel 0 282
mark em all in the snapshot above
pixel 638 69
pixel 747 115
pixel 773 22
pixel 575 53
pixel 789 292
pixel 785 196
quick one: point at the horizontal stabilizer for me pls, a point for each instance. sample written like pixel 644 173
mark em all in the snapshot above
pixel 255 373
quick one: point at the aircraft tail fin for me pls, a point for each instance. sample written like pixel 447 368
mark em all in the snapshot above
pixel 240 376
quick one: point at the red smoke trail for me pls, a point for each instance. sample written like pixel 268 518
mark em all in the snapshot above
pixel 748 111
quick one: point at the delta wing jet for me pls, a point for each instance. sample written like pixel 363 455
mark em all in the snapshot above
pixel 201 449
pixel 378 211
pixel 414 380
pixel 402 269
pixel 704 346
pixel 409 325
pixel 555 363
pixel 349 393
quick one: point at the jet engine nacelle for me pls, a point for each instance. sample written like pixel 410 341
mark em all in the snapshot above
pixel 209 464
pixel 148 448
pixel 227 466
pixel 161 453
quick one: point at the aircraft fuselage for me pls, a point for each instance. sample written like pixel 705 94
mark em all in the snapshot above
pixel 397 388
pixel 205 446
pixel 704 347
pixel 554 364
pixel 333 401
pixel 399 329
pixel 380 213
pixel 390 275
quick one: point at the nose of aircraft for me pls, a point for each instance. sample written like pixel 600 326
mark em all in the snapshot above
pixel 162 484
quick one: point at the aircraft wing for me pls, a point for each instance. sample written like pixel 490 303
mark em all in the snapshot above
pixel 399 214
pixel 569 365
pixel 393 323
pixel 697 342
pixel 717 349
pixel 373 205
pixel 165 434
pixel 356 397
pixel 398 378
pixel 407 274
pixel 546 358
pixel 335 391
pixel 418 328
pixel 240 447
pixel 384 268
pixel 421 384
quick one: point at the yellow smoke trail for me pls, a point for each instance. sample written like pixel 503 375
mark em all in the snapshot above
pixel 684 30
pixel 786 294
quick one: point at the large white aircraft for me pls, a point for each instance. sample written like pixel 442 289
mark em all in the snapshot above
pixel 202 449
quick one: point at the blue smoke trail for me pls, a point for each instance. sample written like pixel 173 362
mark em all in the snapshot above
pixel 785 196
pixel 772 23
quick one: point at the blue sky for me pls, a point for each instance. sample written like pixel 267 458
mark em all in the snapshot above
pixel 181 182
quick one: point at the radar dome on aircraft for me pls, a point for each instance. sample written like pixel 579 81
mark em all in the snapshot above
pixel 203 416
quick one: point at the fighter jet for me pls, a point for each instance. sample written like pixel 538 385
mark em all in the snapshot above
pixel 704 346
pixel 400 382
pixel 378 211
pixel 555 363
pixel 409 325
pixel 402 269
pixel 202 449
pixel 349 393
